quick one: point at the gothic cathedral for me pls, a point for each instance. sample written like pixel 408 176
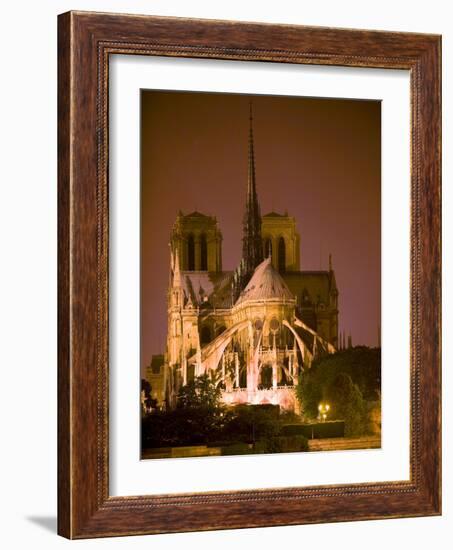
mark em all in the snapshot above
pixel 254 330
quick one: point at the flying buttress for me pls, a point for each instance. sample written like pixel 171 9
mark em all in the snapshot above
pixel 329 347
pixel 306 353
pixel 212 353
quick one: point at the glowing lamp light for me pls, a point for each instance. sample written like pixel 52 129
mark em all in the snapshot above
pixel 323 409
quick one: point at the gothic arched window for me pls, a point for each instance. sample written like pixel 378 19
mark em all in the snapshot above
pixel 205 335
pixel 266 377
pixel 191 253
pixel 243 378
pixel 281 255
pixel 203 253
pixel 190 373
pixel 267 248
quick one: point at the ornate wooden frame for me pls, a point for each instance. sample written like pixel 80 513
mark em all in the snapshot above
pixel 85 42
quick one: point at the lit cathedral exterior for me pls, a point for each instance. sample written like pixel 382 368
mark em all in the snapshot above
pixel 255 329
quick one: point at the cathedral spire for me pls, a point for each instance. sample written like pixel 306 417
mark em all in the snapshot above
pixel 251 183
pixel 252 246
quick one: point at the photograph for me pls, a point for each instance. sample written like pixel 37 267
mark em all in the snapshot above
pixel 260 274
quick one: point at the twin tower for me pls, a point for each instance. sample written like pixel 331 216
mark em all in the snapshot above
pixel 198 239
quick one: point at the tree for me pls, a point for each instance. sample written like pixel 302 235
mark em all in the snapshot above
pixel 199 414
pixel 309 394
pixel 363 365
pixel 202 391
pixel 346 380
pixel 346 403
pixel 148 402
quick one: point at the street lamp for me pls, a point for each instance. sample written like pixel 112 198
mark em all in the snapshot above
pixel 323 409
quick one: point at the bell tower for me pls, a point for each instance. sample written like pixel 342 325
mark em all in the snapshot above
pixel 281 241
pixel 198 240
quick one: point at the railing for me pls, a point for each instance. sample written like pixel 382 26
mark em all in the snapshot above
pixel 278 388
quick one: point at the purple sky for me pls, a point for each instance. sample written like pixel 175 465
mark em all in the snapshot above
pixel 319 159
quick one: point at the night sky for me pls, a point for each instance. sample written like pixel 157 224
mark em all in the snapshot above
pixel 317 159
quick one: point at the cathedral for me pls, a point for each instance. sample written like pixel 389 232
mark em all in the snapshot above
pixel 254 329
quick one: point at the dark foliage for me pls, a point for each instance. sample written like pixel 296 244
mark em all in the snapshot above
pixel 346 380
pixel 198 418
pixel 182 426
pixel 150 403
pixel 252 422
pixel 201 392
pixel 347 403
pixel 363 365
pixel 201 419
pixel 316 430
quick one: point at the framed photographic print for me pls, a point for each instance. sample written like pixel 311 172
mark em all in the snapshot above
pixel 223 346
pixel 249 275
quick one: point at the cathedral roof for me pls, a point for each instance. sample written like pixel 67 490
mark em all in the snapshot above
pixel 196 214
pixel 274 215
pixel 265 284
pixel 311 287
pixel 203 287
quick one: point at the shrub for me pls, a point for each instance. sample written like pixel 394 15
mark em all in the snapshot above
pixel 237 449
pixel 269 445
pixel 294 443
pixel 315 430
pixel 282 444
pixel 251 423
pixel 202 424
